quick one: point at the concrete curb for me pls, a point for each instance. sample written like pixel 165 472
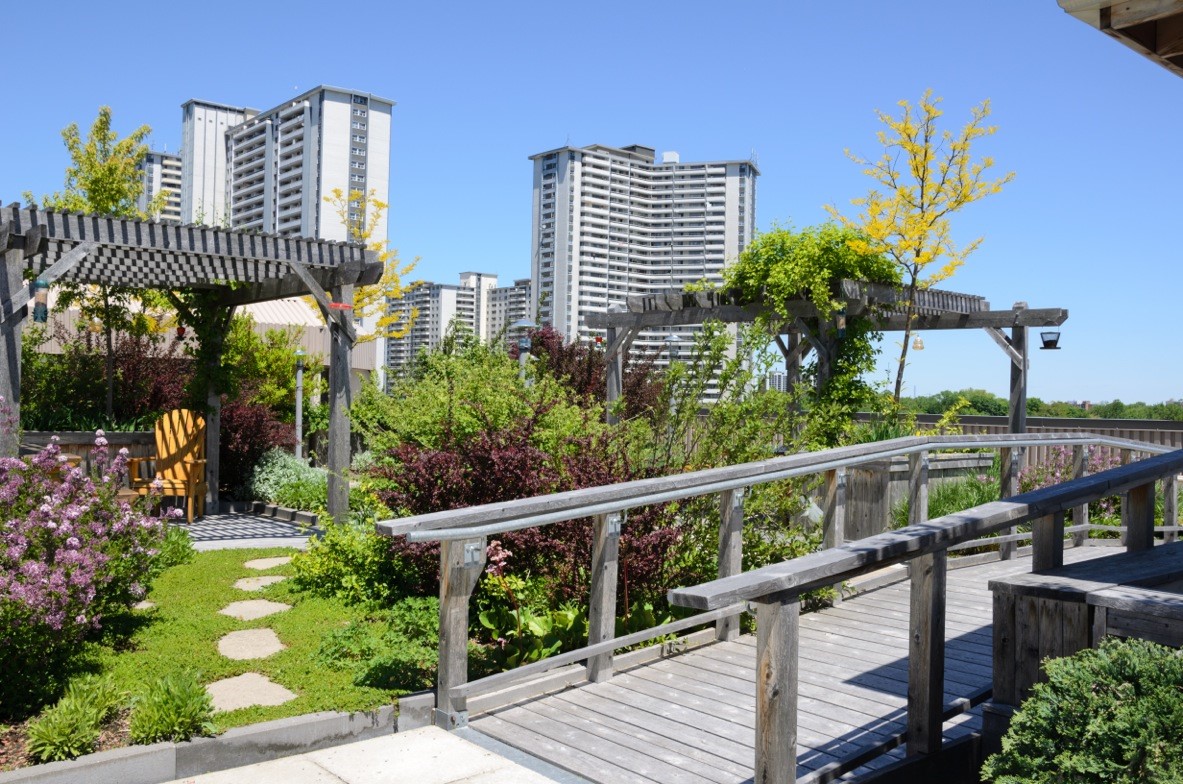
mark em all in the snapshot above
pixel 283 513
pixel 162 762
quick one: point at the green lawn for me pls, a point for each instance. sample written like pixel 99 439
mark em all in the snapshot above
pixel 183 630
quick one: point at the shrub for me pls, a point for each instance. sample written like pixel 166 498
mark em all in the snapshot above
pixel 354 565
pixel 70 553
pixel 176 707
pixel 276 468
pixel 1110 714
pixel 249 429
pixel 1058 468
pixel 954 495
pixel 176 549
pixel 71 727
pixel 403 657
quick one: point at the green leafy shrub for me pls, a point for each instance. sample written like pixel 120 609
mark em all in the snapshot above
pixel 71 727
pixel 352 564
pixel 176 549
pixel 1111 714
pixel 402 657
pixel 176 707
pixel 275 469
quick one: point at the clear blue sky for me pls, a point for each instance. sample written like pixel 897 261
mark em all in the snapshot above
pixel 1090 128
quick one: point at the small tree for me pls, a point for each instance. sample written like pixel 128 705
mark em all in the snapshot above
pixel 103 179
pixel 361 212
pixel 927 174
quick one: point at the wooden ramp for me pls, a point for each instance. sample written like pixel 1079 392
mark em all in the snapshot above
pixel 691 717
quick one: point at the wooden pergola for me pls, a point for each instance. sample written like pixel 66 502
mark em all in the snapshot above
pixel 804 332
pixel 238 267
pixel 1152 28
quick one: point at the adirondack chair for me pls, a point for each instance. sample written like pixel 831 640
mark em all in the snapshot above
pixel 180 460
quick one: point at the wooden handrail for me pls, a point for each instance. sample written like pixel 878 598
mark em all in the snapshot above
pixel 826 567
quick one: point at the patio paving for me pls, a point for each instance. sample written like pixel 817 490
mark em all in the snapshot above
pixel 235 531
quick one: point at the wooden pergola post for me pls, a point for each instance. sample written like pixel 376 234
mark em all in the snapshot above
pixel 340 397
pixel 11 283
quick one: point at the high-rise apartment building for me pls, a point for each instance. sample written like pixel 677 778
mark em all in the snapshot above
pixel 505 306
pixel 610 222
pixel 204 164
pixel 271 170
pixel 162 174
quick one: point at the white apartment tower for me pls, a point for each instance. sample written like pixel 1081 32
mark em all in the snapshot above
pixel 271 170
pixel 506 305
pixel 204 165
pixel 609 222
pixel 162 174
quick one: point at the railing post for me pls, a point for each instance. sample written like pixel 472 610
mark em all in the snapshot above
pixel 834 522
pixel 917 488
pixel 1009 479
pixel 926 653
pixel 601 614
pixel 1170 505
pixel 1047 542
pixel 461 564
pixel 1080 514
pixel 777 623
pixel 1138 511
pixel 730 553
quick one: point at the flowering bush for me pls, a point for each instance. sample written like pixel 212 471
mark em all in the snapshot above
pixel 70 553
pixel 1058 468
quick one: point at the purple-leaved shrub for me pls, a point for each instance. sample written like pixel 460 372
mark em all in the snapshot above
pixel 71 553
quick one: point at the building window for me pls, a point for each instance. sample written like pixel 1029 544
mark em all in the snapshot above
pixel 357 164
pixel 357 151
pixel 359 112
pixel 359 126
pixel 357 137
pixel 359 99
pixel 357 178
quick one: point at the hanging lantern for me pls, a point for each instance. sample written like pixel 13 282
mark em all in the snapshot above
pixel 96 325
pixel 41 301
pixel 840 323
pixel 1050 340
pixel 918 344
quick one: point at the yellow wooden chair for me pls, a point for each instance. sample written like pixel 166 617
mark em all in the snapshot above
pixel 180 460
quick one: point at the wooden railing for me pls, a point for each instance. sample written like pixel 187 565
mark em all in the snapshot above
pixel 776 589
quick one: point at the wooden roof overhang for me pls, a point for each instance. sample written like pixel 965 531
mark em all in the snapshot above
pixel 1152 28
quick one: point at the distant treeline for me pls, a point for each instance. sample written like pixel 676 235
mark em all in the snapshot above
pixel 986 404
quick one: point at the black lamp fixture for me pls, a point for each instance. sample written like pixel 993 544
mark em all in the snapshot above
pixel 840 323
pixel 1050 340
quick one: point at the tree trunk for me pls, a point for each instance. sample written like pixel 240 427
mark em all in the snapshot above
pixel 909 313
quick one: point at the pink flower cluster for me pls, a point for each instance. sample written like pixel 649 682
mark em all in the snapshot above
pixel 1058 468
pixel 70 550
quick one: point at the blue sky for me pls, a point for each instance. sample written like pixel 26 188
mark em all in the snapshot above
pixel 1090 128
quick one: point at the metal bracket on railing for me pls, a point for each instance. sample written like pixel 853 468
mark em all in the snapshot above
pixel 451 721
pixel 614 522
pixel 474 553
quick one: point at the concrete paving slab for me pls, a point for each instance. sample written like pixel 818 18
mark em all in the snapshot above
pixel 258 583
pixel 268 563
pixel 246 690
pixel 290 770
pixel 252 609
pixel 144 605
pixel 427 755
pixel 250 644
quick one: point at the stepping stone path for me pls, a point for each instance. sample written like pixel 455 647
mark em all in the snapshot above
pixel 253 609
pixel 250 644
pixel 267 563
pixel 245 691
pixel 144 605
pixel 252 688
pixel 258 583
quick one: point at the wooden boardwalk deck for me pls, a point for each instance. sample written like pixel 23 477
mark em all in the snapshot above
pixel 691 717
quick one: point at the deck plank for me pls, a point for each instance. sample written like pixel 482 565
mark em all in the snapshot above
pixel 690 717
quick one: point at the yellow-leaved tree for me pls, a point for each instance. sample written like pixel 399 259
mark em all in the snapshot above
pixel 361 213
pixel 926 174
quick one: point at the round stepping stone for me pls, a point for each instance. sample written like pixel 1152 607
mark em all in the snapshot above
pixel 144 605
pixel 267 563
pixel 253 608
pixel 257 583
pixel 250 644
pixel 246 691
